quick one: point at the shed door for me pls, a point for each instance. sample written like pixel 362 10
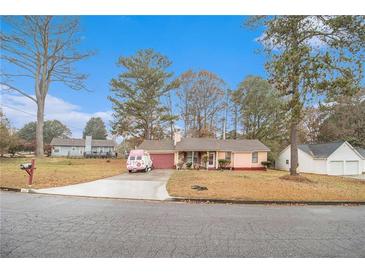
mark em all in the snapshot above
pixel 352 168
pixel 162 160
pixel 336 168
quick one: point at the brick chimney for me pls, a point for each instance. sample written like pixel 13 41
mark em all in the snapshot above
pixel 177 137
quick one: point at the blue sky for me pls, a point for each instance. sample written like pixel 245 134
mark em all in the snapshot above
pixel 216 43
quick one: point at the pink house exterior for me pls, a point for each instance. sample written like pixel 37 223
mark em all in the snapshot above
pixel 242 154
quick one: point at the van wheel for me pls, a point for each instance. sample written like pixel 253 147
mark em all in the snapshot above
pixel 130 171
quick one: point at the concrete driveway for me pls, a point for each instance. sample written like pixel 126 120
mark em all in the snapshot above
pixel 149 186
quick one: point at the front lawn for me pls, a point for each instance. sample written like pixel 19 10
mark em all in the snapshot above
pixel 264 186
pixel 51 172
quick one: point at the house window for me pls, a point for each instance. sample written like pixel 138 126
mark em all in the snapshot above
pixel 255 157
pixel 228 156
pixel 287 162
pixel 56 150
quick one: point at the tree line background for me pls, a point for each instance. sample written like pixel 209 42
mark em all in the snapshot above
pixel 14 140
pixel 203 106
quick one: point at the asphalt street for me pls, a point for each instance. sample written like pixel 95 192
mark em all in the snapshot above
pixel 36 225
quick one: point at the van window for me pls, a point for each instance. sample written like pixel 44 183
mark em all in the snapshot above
pixel 139 157
pixel 132 158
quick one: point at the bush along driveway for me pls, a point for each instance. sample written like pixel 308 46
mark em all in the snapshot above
pixel 271 185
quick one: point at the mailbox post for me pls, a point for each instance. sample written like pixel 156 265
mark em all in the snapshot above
pixel 29 168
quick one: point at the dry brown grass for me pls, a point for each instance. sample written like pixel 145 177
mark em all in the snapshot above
pixel 261 185
pixel 51 172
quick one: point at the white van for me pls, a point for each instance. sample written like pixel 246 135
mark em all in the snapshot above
pixel 139 160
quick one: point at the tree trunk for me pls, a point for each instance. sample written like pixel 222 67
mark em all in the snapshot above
pixel 293 149
pixel 172 130
pixel 39 152
pixel 235 122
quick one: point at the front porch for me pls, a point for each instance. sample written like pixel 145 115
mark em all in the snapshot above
pixel 198 159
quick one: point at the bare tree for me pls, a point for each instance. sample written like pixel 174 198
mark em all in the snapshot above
pixel 185 93
pixel 202 100
pixel 235 97
pixel 43 49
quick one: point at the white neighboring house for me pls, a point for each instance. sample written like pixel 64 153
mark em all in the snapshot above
pixel 338 158
pixel 73 147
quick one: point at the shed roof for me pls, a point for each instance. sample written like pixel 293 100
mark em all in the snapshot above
pixel 361 151
pixel 320 150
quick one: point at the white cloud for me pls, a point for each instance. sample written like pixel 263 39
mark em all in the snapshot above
pixel 21 110
pixel 312 23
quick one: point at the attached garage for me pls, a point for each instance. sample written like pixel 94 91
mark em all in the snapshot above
pixel 161 152
pixel 161 161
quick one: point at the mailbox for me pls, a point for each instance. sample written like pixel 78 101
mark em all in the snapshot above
pixel 29 168
pixel 26 166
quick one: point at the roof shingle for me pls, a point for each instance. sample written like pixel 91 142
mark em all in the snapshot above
pixel 205 144
pixel 320 150
pixel 361 151
pixel 165 144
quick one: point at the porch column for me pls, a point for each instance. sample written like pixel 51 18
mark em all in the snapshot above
pixel 192 159
pixel 216 160
pixel 176 159
pixel 207 163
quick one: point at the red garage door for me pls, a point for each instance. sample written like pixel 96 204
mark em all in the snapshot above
pixel 163 160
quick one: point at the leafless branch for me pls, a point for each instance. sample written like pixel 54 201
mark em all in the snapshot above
pixel 18 90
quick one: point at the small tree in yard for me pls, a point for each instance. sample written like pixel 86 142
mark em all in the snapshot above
pixel 205 159
pixel 9 139
pixel 310 56
pixel 16 144
pixel 4 134
pixel 42 49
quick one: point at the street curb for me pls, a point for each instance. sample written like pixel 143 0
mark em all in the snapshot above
pixel 3 188
pixel 218 201
pixel 23 190
pixel 203 201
